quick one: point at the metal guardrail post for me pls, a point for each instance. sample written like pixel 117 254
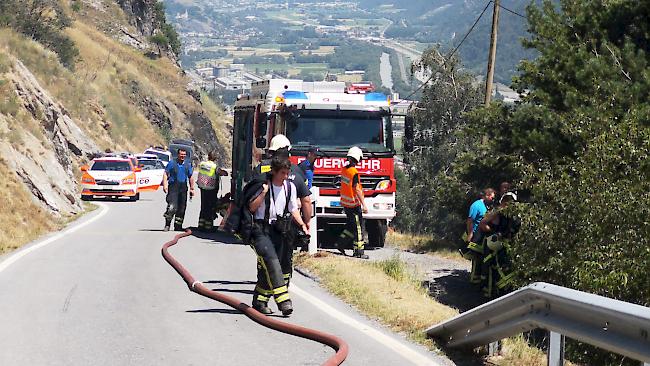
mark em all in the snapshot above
pixel 494 348
pixel 555 349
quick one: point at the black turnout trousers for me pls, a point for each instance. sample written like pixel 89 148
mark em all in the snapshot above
pixel 176 204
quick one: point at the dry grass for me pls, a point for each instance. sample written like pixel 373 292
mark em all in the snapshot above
pixel 517 351
pixel 380 290
pixel 386 291
pixel 22 219
pixel 422 244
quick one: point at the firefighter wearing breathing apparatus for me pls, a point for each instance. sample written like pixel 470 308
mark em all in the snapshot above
pixel 279 147
pixel 273 207
pixel 496 266
pixel 353 204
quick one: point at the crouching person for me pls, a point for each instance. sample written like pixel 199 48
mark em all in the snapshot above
pixel 274 206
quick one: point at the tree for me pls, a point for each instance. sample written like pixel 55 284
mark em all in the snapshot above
pixel 43 21
pixel 161 41
pixel 435 200
pixel 580 144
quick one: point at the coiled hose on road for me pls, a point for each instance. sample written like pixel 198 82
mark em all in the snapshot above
pixel 338 344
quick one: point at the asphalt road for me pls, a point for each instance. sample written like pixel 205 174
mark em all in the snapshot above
pixel 103 295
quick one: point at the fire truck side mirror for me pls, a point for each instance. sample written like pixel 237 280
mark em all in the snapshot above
pixel 260 142
pixel 262 124
pixel 409 133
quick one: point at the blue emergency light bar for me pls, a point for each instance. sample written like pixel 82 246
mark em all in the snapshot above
pixel 292 94
pixel 376 97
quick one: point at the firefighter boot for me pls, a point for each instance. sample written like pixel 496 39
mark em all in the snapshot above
pixel 286 307
pixel 358 253
pixel 261 306
pixel 167 225
pixel 341 247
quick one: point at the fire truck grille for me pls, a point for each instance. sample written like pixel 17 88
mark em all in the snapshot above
pixel 334 181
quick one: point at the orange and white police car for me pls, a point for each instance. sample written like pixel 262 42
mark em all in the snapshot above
pixel 110 177
pixel 151 176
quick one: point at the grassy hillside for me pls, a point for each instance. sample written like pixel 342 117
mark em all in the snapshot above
pixel 124 98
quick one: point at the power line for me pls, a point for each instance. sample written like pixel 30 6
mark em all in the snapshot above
pixel 511 11
pixel 454 50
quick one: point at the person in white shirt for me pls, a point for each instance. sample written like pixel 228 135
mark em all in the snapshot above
pixel 274 208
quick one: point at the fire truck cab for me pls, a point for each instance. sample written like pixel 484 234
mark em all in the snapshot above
pixel 321 114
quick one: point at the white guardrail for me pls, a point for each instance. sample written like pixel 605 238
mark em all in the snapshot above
pixel 613 325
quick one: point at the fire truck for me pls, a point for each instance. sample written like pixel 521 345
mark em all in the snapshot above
pixel 324 115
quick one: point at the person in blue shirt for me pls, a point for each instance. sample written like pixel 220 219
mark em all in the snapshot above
pixel 474 249
pixel 307 165
pixel 177 174
pixel 476 212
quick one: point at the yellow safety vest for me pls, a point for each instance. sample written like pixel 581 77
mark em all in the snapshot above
pixel 207 175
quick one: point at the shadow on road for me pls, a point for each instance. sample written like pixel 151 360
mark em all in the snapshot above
pixel 218 236
pixel 247 292
pixel 454 289
pixel 224 282
pixel 218 311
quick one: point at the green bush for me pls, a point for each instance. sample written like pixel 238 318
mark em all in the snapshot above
pixel 43 21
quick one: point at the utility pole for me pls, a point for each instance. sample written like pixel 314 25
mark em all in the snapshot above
pixel 493 52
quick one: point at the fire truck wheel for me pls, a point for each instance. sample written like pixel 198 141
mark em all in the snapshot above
pixel 376 233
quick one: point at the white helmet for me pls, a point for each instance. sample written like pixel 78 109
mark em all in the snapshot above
pixel 512 195
pixel 355 153
pixel 279 142
pixel 494 243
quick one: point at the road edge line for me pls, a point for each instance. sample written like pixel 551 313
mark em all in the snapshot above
pixel 13 258
pixel 406 352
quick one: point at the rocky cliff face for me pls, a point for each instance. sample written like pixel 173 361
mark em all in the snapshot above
pixel 45 160
pixel 53 119
pixel 141 14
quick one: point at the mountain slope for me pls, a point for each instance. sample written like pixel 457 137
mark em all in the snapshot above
pixel 118 95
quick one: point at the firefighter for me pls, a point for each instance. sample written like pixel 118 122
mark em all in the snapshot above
pixel 177 174
pixel 353 204
pixel 279 147
pixel 274 207
pixel 307 165
pixel 209 183
pixel 474 238
pixel 497 267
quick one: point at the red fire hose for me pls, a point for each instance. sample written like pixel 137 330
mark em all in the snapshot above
pixel 336 343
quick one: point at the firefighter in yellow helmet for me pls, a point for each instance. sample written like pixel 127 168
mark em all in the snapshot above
pixel 353 204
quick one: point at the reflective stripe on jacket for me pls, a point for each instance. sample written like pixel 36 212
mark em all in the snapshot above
pixel 207 175
pixel 348 197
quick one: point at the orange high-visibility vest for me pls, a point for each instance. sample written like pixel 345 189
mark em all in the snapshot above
pixel 348 198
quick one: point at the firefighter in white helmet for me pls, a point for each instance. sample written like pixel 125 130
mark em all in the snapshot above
pixel 279 147
pixel 353 204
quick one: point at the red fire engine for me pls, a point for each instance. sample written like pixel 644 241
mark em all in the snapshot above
pixel 325 115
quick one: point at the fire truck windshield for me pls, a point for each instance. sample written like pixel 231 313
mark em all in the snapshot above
pixel 338 132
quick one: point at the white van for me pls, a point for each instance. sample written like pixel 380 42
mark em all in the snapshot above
pixel 164 155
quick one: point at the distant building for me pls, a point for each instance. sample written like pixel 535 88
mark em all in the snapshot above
pixel 220 71
pixel 355 72
pixel 231 83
